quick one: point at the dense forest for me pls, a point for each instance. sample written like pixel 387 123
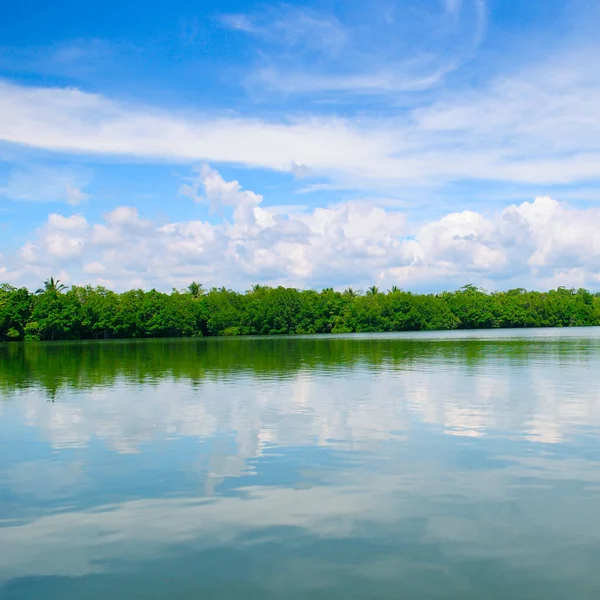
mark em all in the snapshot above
pixel 55 312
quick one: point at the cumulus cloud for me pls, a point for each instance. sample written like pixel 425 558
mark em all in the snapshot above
pixel 75 196
pixel 543 243
pixel 217 191
pixel 60 239
pixel 94 268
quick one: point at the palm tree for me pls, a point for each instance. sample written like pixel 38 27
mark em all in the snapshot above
pixel 196 290
pixel 350 292
pixel 52 285
pixel 257 288
pixel 469 289
pixel 394 289
pixel 373 291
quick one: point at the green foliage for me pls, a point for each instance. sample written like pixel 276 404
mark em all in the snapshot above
pixel 57 313
pixel 15 309
pixel 52 285
pixel 195 289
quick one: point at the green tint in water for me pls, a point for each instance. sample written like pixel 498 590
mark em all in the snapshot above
pixel 448 466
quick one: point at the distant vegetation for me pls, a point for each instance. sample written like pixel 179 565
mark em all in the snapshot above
pixel 56 313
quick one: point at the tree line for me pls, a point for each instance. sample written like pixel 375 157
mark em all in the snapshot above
pixel 55 312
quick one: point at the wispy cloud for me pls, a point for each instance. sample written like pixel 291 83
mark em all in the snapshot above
pixel 240 22
pixel 291 27
pixel 537 125
pixel 379 48
pixel 453 6
pixel 46 184
pixel 71 59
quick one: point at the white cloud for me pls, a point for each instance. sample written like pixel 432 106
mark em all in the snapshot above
pixel 74 121
pixel 239 22
pixel 75 196
pixel 217 192
pixel 292 27
pixel 72 223
pixel 380 47
pixel 94 268
pixel 543 243
pixel 536 126
pixel 60 239
pixel 301 171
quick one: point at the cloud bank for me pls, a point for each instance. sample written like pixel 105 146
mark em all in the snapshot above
pixel 350 243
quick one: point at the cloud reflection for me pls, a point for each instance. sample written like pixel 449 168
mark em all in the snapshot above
pixel 457 448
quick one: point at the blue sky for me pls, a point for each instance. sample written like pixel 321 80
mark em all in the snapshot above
pixel 425 144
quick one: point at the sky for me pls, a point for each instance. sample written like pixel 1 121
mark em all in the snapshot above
pixel 426 144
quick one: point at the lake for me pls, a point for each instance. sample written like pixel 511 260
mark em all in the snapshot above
pixel 456 465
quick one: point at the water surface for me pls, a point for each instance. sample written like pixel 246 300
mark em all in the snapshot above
pixel 457 465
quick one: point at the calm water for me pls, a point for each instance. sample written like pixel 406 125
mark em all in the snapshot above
pixel 450 466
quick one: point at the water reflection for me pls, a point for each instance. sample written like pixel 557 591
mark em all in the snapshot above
pixel 441 466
